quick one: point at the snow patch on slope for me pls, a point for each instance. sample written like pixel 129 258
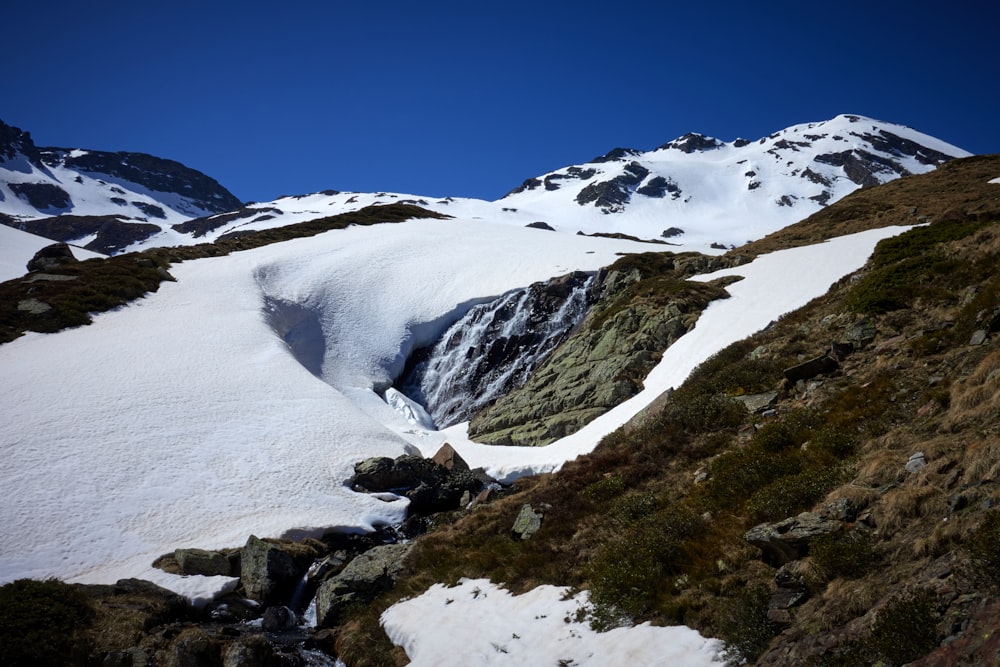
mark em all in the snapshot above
pixel 540 627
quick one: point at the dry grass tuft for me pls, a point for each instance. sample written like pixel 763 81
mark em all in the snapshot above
pixel 976 399
pixel 899 506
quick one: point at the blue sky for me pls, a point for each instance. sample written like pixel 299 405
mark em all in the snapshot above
pixel 470 99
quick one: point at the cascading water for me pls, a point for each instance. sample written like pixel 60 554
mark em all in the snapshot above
pixel 495 347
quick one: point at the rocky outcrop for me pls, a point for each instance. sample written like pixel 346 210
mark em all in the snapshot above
pixel 43 196
pixel 270 569
pixel 204 562
pixel 51 257
pixel 788 540
pixel 364 577
pixel 692 142
pixel 824 363
pixel 148 171
pixel 431 485
pixel 605 361
pixel 495 347
pixel 111 233
pixel 611 196
pixel 529 521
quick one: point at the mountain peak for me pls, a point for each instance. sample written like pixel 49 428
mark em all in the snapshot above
pixel 692 142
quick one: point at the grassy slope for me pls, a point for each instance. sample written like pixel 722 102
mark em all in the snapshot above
pixel 631 524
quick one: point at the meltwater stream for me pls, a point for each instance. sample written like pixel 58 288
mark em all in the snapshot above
pixel 495 347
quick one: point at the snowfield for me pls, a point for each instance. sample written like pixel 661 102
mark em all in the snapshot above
pixel 237 400
pixel 537 628
pixel 184 420
pixel 17 247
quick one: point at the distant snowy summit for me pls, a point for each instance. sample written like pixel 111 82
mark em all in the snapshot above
pixel 698 188
pixel 106 201
pixel 695 191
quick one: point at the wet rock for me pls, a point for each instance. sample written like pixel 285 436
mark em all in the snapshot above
pixel 278 619
pixel 270 570
pixel 249 651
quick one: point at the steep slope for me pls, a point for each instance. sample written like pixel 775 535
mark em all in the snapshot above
pixel 104 201
pixel 848 517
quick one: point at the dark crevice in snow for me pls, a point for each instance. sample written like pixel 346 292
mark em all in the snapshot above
pixel 300 328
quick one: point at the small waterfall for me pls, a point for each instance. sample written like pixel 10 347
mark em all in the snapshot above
pixel 495 347
pixel 306 588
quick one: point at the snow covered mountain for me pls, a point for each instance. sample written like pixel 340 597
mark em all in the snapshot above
pixel 105 201
pixel 237 400
pixel 695 191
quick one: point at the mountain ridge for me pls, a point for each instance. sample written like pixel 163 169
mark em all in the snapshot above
pixel 696 191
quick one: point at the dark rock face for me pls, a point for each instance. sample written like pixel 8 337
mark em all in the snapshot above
pixel 691 142
pixel 43 196
pixel 495 347
pixel 612 195
pixel 887 142
pixel 152 210
pixel 529 184
pixel 13 141
pixel 540 225
pixel 113 233
pixel 51 257
pixel 198 227
pixel 616 154
pixel 658 187
pixel 153 173
pixel 861 166
pixel 431 486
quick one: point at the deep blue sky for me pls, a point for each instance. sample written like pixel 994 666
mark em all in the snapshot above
pixel 469 99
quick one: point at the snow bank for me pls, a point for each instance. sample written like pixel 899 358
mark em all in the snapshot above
pixel 540 627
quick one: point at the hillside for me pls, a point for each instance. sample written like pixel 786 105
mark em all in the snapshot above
pixel 888 446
